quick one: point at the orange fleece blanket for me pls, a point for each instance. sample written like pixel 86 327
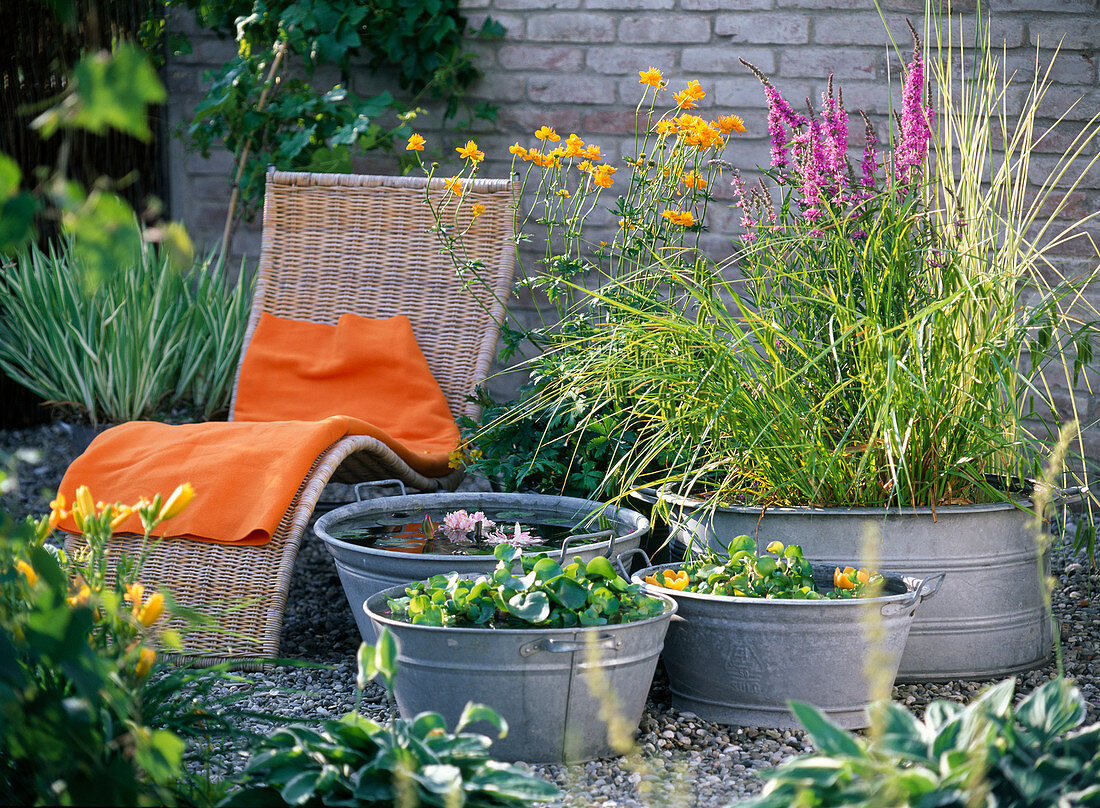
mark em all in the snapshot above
pixel 302 387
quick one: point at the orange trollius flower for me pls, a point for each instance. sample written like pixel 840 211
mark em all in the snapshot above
pixel 730 123
pixel 547 133
pixel 602 175
pixel 477 209
pixel 454 185
pixel 470 152
pixel 683 218
pixel 690 96
pixel 693 180
pixel 518 150
pixel 416 143
pixel 652 77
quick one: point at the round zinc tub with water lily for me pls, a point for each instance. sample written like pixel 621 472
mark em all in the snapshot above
pixel 738 660
pixel 370 540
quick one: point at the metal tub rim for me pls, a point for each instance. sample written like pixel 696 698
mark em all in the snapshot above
pixel 912 587
pixel 638 522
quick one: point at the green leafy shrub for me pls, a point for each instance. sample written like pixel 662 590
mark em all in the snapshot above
pixel 266 115
pixel 356 761
pixel 560 448
pixel 543 594
pixel 146 340
pixel 988 753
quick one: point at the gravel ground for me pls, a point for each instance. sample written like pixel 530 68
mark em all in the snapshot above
pixel 683 760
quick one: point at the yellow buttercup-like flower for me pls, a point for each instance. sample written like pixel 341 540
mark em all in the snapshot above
pixel 177 502
pixel 416 143
pixel 574 146
pixel 517 150
pixel 454 185
pixel 683 218
pixel 477 209
pixel 693 180
pixel 602 175
pixel 652 76
pixel 547 133
pixel 730 123
pixel 592 152
pixel 81 597
pixel 470 152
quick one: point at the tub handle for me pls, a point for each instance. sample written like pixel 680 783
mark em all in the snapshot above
pixel 632 552
pixel 588 538
pixel 360 487
pixel 921 592
pixel 608 642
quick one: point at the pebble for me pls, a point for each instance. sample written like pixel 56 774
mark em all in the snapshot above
pixel 683 760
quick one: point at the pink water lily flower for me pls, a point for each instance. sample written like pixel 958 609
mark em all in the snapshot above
pixel 460 526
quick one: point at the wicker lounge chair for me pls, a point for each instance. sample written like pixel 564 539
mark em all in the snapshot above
pixel 337 243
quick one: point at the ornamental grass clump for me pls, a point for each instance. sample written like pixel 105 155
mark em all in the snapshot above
pixel 885 332
pixel 663 191
pixel 146 340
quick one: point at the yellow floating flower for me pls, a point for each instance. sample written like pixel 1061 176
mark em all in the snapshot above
pixel 28 571
pixel 670 579
pixel 470 152
pixel 651 76
pixel 547 133
pixel 152 610
pixel 146 658
pixel 683 218
pixel 179 500
pixel 844 579
pixel 416 143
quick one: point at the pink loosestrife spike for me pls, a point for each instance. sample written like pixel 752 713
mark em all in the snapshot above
pixel 869 164
pixel 915 129
pixel 780 117
pixel 834 140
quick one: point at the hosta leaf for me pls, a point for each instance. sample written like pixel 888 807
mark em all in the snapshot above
pixel 827 737
pixel 511 782
pixel 1052 709
pixel 300 789
pixel 440 778
pixel 426 723
pixel 898 731
pixel 481 712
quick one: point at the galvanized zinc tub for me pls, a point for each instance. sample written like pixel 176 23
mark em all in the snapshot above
pixel 738 660
pixel 988 621
pixel 544 682
pixel 366 570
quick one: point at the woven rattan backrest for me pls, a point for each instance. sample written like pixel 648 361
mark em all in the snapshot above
pixel 339 243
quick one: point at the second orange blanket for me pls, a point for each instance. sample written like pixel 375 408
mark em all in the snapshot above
pixel 302 387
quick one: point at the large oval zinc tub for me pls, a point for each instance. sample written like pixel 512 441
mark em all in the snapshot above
pixel 738 660
pixel 989 621
pixel 600 530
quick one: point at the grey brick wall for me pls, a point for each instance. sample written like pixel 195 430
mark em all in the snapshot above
pixel 573 64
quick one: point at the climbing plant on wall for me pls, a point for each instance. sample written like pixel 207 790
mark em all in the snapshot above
pixel 269 106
